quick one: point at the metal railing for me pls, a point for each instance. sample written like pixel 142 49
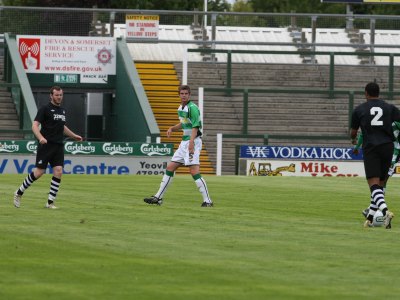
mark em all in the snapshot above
pixel 245 113
pixel 331 86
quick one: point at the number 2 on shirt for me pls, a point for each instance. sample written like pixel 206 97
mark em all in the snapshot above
pixel 377 112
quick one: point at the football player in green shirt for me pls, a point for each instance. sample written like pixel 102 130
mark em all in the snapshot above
pixel 188 153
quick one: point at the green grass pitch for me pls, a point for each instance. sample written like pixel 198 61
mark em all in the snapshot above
pixel 266 238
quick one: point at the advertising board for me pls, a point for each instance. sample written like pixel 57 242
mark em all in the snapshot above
pixel 109 158
pixel 300 161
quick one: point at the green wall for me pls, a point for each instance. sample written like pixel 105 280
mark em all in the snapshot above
pixel 129 112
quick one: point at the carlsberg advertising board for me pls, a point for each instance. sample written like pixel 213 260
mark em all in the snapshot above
pixel 18 157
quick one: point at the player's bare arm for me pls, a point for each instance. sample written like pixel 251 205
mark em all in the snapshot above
pixel 36 132
pixel 174 128
pixel 71 134
pixel 353 136
pixel 192 137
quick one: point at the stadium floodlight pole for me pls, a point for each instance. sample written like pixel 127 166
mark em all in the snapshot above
pixel 349 12
pixel 219 154
pixel 201 105
pixel 372 40
pixel 185 67
pixel 205 14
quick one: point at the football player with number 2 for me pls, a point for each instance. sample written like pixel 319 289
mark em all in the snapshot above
pixel 375 118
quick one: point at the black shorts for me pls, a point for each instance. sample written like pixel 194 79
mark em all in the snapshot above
pixel 377 161
pixel 52 154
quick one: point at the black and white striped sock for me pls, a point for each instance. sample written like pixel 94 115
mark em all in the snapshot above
pixel 26 183
pixel 379 198
pixel 54 187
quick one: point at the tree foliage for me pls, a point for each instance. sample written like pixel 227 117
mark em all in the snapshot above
pixel 55 3
pixel 315 6
pixel 270 6
pixel 242 6
pixel 214 5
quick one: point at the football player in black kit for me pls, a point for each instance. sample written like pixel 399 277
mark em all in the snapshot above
pixel 49 129
pixel 375 118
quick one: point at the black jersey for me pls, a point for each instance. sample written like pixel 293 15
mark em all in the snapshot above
pixel 375 117
pixel 52 121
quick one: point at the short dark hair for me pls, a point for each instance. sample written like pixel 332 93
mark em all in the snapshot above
pixel 56 87
pixel 184 87
pixel 372 89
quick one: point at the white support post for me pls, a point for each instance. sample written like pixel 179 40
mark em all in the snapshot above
pixel 201 105
pixel 205 15
pixel 219 154
pixel 185 67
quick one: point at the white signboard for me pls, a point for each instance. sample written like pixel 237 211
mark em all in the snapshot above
pixel 143 27
pixel 328 168
pixel 94 78
pixel 89 56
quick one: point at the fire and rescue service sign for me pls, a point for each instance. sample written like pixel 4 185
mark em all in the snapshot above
pixel 142 27
pixel 90 57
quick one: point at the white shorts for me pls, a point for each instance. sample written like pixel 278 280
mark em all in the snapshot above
pixel 181 155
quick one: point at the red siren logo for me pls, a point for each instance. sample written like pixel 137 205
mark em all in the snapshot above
pixel 29 50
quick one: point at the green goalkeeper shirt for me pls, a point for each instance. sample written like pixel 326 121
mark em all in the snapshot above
pixel 189 117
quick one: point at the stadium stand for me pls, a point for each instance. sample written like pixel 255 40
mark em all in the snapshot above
pixel 256 34
pixel 333 36
pixel 173 52
pixel 274 113
pixel 279 113
pixel 8 114
pixel 384 37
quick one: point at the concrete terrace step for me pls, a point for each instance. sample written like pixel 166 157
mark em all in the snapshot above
pixel 160 88
pixel 9 124
pixel 158 76
pixel 295 114
pixel 151 93
pixel 11 136
pixel 263 105
pixel 290 130
pixel 8 115
pixel 150 82
pixel 5 94
pixel 273 97
pixel 167 105
pixel 156 71
pixel 165 98
pixel 168 66
pixel 7 105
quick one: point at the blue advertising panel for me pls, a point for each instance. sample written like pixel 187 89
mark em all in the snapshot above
pixel 300 152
